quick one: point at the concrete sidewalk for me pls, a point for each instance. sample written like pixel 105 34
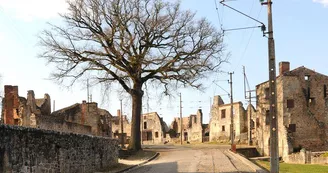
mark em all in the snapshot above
pixel 247 162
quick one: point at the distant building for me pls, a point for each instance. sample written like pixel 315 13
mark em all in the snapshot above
pixel 153 129
pixel 85 118
pixel 220 121
pixel 192 127
pixel 79 118
pixel 116 127
pixel 302 111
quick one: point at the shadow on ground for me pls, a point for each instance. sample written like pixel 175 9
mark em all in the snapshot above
pixel 169 167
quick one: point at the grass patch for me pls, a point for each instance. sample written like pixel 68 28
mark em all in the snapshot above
pixel 295 168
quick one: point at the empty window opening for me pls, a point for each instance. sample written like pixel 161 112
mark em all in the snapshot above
pixel 290 103
pixel 223 128
pixel 156 134
pixel 223 113
pixel 324 91
pixel 306 77
pixel 267 93
pixel 292 128
pixel 267 117
pixel 145 125
pixel 257 122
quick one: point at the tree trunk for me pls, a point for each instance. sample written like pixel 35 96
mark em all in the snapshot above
pixel 135 140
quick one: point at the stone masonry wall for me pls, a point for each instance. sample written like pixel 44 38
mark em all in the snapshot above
pixel 154 127
pixel 220 125
pixel 31 150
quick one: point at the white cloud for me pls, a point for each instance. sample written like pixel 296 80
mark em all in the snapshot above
pixel 324 2
pixel 33 9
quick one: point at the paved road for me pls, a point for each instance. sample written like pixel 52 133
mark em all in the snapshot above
pixel 177 159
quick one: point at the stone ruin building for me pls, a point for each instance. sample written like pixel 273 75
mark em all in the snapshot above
pixel 220 122
pixel 85 118
pixel 192 127
pixel 116 127
pixel 302 110
pixel 154 129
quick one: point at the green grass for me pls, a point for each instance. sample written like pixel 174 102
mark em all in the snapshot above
pixel 296 168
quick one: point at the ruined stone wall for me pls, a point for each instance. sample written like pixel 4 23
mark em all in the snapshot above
pixel 35 150
pixel 56 124
pixel 154 127
pixel 310 112
pixel 195 131
pixel 302 119
pixel 116 126
pixel 220 125
pixel 10 105
pixel 79 115
pixel 176 123
pixel 261 123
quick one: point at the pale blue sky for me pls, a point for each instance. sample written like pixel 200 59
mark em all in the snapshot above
pixel 300 32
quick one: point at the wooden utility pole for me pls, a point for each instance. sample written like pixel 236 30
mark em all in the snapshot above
pixel 232 137
pixel 249 113
pixel 180 120
pixel 122 137
pixel 274 150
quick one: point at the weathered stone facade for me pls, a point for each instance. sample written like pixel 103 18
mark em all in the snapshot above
pixel 24 149
pixel 23 111
pixel 85 118
pixel 116 127
pixel 302 111
pixel 153 129
pixel 192 128
pixel 220 121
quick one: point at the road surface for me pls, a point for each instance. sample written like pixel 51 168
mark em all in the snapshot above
pixel 181 159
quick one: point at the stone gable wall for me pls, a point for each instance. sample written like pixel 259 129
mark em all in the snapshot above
pixel 35 150
pixel 217 122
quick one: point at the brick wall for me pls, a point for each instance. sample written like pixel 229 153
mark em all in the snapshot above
pixel 35 150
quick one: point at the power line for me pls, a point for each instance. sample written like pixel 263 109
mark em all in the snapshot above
pixel 247 44
pixel 218 14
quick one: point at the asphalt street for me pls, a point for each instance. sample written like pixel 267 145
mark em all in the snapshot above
pixel 181 159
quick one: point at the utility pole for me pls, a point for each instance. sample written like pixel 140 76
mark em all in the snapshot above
pixel 54 105
pixel 274 150
pixel 233 146
pixel 122 138
pixel 180 119
pixel 249 113
pixel 88 96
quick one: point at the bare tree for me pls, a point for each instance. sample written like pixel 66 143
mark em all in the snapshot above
pixel 132 42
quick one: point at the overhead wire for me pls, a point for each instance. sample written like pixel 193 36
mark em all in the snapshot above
pixel 247 44
pixel 218 13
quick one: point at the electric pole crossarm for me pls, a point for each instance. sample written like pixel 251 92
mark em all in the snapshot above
pixel 234 29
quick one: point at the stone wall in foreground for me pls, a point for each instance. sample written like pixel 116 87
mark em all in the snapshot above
pixel 32 150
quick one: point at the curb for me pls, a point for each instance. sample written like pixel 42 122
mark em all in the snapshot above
pixel 140 164
pixel 249 163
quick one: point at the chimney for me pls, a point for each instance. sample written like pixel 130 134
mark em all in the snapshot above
pixel 118 113
pixel 283 67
